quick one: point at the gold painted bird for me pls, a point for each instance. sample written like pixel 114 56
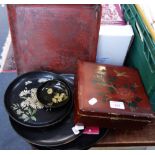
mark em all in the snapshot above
pixel 120 73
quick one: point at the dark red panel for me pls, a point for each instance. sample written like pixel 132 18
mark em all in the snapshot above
pixel 53 37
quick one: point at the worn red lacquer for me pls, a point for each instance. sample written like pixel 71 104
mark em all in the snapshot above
pixel 106 83
pixel 53 37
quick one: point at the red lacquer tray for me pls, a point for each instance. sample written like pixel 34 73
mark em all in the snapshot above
pixel 53 37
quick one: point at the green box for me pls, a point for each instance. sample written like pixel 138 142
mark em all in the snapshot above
pixel 142 51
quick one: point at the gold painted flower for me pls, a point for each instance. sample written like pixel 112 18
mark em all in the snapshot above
pixel 126 94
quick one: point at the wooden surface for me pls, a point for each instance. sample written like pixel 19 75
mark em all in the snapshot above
pixel 54 36
pixel 143 137
pixel 110 83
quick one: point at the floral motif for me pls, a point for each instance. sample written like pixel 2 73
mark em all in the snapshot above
pixel 24 93
pixel 42 80
pixel 27 109
pixel 28 82
pixel 126 94
pixel 19 112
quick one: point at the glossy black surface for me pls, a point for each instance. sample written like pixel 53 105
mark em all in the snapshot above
pixel 47 91
pixel 83 142
pixel 59 136
pixel 44 117
pixel 50 136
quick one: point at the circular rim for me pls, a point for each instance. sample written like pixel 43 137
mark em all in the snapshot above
pixel 103 133
pixel 63 147
pixel 38 126
pixel 44 145
pixel 59 105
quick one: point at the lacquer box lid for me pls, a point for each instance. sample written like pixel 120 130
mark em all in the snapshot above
pixel 53 37
pixel 111 91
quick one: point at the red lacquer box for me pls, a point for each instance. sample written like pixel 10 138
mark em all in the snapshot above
pixel 110 96
pixel 53 37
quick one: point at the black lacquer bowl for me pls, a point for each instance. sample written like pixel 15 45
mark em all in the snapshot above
pixel 22 103
pixel 54 93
